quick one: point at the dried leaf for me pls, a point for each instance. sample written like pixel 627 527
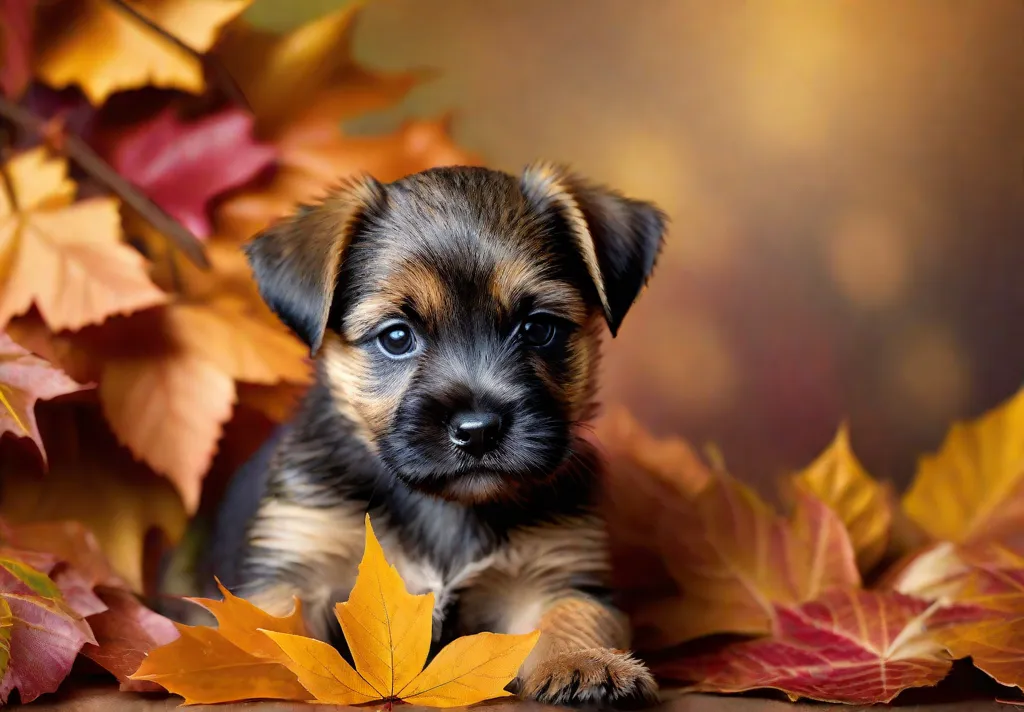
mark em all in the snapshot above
pixel 838 479
pixel 103 49
pixel 858 647
pixel 308 69
pixel 24 379
pixel 169 410
pixel 973 489
pixel 314 155
pixel 67 541
pixel 183 166
pixel 64 257
pixel 92 480
pixel 234 661
pixel 204 667
pixel 45 633
pixel 736 560
pixel 168 403
pixel 16 29
pixel 388 633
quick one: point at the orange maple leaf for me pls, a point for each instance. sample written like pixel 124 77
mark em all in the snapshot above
pixel 67 258
pixel 89 40
pixel 24 379
pixel 234 661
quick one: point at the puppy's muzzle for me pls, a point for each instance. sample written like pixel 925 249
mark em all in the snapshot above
pixel 476 433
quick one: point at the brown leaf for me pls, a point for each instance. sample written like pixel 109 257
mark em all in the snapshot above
pixel 24 379
pixel 735 560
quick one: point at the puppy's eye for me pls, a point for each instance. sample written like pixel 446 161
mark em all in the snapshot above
pixel 397 340
pixel 538 331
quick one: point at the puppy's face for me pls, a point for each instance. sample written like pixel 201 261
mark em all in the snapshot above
pixel 457 315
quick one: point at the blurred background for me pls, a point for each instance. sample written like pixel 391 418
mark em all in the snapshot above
pixel 845 180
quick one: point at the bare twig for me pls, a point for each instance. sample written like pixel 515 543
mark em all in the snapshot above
pixel 226 82
pixel 5 175
pixel 89 161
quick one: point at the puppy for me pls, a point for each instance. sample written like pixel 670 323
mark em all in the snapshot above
pixel 455 316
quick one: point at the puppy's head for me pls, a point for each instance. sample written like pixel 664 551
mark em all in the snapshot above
pixel 456 314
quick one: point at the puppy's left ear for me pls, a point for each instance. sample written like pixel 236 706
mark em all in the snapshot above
pixel 619 238
pixel 297 261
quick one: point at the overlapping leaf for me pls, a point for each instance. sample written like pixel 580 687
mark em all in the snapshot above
pixel 93 481
pixel 857 647
pixel 103 49
pixel 65 258
pixel 41 633
pixel 234 661
pixel 838 479
pixel 736 560
pixel 24 379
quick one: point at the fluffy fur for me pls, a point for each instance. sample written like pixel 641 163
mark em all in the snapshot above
pixel 507 538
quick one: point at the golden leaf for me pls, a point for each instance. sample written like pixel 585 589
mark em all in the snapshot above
pixel 838 479
pixel 972 490
pixel 388 633
pixel 310 68
pixel 66 258
pixel 103 49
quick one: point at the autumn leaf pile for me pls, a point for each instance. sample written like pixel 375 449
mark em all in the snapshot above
pixel 141 143
pixel 854 597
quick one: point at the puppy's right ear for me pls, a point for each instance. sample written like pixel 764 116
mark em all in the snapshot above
pixel 296 262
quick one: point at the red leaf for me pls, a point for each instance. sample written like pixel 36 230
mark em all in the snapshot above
pixel 126 632
pixel 46 634
pixel 24 379
pixel 16 27
pixel 184 166
pixel 858 647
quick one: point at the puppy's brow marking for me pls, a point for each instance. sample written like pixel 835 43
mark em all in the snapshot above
pixel 415 283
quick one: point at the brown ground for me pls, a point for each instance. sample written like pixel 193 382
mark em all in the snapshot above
pixel 107 699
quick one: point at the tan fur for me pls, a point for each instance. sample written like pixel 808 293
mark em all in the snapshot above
pixel 414 282
pixel 551 183
pixel 346 368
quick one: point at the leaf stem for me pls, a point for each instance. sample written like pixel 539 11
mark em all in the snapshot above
pixel 5 176
pixel 89 161
pixel 225 81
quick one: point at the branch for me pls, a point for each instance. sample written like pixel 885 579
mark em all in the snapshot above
pixel 5 176
pixel 89 161
pixel 227 83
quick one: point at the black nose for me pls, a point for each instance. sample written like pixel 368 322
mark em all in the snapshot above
pixel 475 433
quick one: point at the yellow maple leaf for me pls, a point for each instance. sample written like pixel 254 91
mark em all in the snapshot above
pixel 388 632
pixel 838 479
pixel 972 490
pixel 103 49
pixel 308 68
pixel 66 258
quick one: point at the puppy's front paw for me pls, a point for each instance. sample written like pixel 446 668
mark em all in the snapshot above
pixel 591 676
